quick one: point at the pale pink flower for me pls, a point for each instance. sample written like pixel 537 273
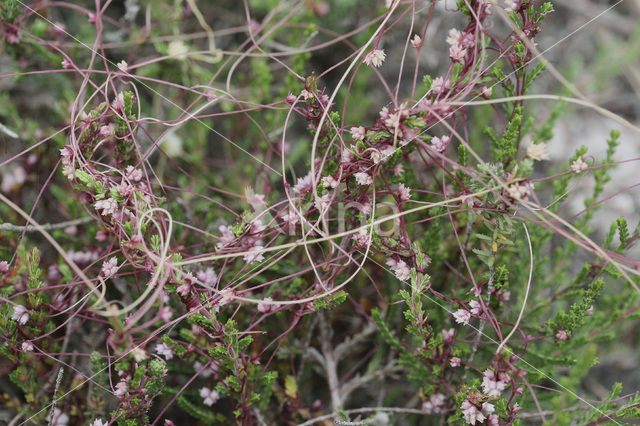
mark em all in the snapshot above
pixel 375 57
pixel 291 99
pixel 394 119
pixel 345 156
pixel 579 165
pixel 322 203
pixel 82 257
pixel 110 267
pixel 184 289
pixel 304 185
pixel 590 310
pixel 68 171
pixel 487 92
pixel 476 307
pixel 357 133
pixel 362 238
pixel 400 268
pixel 139 354
pixel 20 314
pixel 492 420
pixel 253 255
pixel 330 182
pixel 67 64
pixel 404 192
pixel 122 66
pixel 108 206
pixel 471 413
pixel 375 156
pixel 462 316
pixel 440 144
pixel 226 237
pixel 457 53
pixel 209 396
pixel 27 346
pixel 121 388
pixel 512 5
pixel 164 350
pixel 265 305
pixel 518 192
pixel 439 84
pixel 365 207
pixel 13 179
pixel 58 418
pixel 363 178
pixel 108 130
pixel 454 37
pixel 208 277
pixel 435 404
pixel 306 94
pixel 101 235
pixel 165 313
pixel 4 266
pixel 562 335
pixel 398 170
pixel 124 189
pixel 448 334
pixel 492 385
pixel 206 372
pixel 226 296
pixel 387 152
pixel 256 200
pixel 455 361
pixel 384 113
pixel 118 102
pixel 290 219
pixel 538 151
pixel 416 41
pixel 134 174
pixel 99 422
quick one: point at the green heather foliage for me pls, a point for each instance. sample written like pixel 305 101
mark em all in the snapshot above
pixel 275 212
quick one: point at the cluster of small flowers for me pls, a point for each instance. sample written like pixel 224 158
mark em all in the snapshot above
pixel 459 42
pixel 20 314
pixel 400 268
pixel 435 404
pixel 250 241
pixel 463 316
pixel 83 257
pixel 476 412
pixel 12 179
pixel 493 384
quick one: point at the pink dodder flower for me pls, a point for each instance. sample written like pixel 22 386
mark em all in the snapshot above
pixel 435 404
pixel 209 396
pixel 462 316
pixel 164 350
pixel 375 58
pixel 20 314
pixel 400 268
pixel 58 418
pixel 474 414
pixel 110 267
pixel 493 384
pixel 108 206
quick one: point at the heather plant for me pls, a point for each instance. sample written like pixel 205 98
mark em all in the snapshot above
pixel 277 212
